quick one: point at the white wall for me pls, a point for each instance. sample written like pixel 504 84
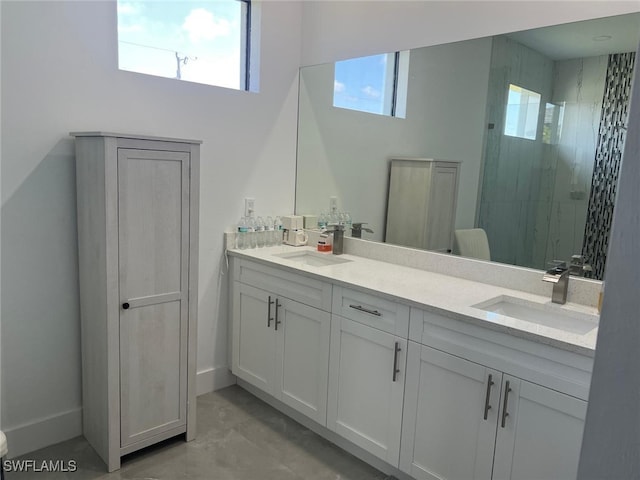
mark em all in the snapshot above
pixel 335 30
pixel 59 74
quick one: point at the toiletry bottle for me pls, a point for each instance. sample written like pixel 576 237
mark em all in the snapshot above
pixel 348 223
pixel 322 221
pixel 251 232
pixel 260 232
pixel 241 235
pixel 277 226
pixel 269 232
pixel 324 245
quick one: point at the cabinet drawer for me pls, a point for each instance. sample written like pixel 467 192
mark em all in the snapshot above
pixel 565 371
pixel 385 315
pixel 308 291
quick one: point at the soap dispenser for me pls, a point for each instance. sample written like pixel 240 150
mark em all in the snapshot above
pixel 338 239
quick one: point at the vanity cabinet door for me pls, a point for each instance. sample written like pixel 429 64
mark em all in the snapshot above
pixel 366 387
pixel 254 337
pixel 282 347
pixel 542 433
pixel 302 357
pixel 450 415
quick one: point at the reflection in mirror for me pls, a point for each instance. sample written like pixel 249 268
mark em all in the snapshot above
pixel 535 119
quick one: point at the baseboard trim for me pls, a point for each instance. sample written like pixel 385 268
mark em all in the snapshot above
pixel 213 379
pixel 43 432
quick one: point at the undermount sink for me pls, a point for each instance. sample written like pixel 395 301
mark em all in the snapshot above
pixel 546 314
pixel 313 259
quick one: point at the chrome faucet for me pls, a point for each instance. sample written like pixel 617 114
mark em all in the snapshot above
pixel 558 274
pixel 578 267
pixel 357 228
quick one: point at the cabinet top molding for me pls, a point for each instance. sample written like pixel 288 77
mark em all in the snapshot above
pixel 135 136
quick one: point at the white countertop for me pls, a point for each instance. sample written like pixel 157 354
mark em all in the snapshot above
pixel 449 296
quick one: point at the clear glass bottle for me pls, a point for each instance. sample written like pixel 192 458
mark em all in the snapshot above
pixel 348 223
pixel 270 237
pixel 260 233
pixel 241 234
pixel 251 232
pixel 277 225
pixel 322 221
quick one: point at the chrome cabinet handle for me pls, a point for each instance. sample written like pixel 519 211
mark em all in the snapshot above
pixel 507 389
pixel 366 310
pixel 269 319
pixel 487 398
pixel 278 305
pixel 396 370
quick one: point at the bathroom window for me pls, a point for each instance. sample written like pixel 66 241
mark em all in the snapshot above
pixel 374 84
pixel 523 107
pixel 205 41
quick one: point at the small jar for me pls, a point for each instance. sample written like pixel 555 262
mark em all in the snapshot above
pixel 323 246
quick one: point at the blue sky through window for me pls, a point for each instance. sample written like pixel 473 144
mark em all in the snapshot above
pixel 200 41
pixel 360 84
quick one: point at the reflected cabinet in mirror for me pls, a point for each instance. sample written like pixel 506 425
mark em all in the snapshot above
pixel 535 122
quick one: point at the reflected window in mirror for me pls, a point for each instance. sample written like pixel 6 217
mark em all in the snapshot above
pixel 374 84
pixel 552 126
pixel 523 107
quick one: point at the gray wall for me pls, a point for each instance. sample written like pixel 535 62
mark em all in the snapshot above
pixel 513 166
pixel 611 443
pixel 579 84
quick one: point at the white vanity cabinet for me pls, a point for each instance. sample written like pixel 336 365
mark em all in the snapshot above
pixel 367 371
pixel 279 344
pixel 466 420
pixel 542 435
pixel 450 417
pixel 432 394
pixel 137 201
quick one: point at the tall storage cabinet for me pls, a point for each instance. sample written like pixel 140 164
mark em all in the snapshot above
pixel 421 207
pixel 137 203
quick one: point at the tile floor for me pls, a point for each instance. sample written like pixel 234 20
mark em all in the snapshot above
pixel 239 438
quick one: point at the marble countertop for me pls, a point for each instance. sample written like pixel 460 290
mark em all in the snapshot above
pixel 449 296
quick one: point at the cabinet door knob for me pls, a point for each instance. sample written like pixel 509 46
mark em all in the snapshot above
pixel 125 306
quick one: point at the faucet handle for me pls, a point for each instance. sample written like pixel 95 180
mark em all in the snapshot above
pixel 557 266
pixel 578 267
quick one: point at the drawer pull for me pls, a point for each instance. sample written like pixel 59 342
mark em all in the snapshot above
pixel 269 319
pixel 366 310
pixel 396 370
pixel 278 305
pixel 507 389
pixel 487 398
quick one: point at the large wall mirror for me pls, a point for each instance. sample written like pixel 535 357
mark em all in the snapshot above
pixel 536 120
